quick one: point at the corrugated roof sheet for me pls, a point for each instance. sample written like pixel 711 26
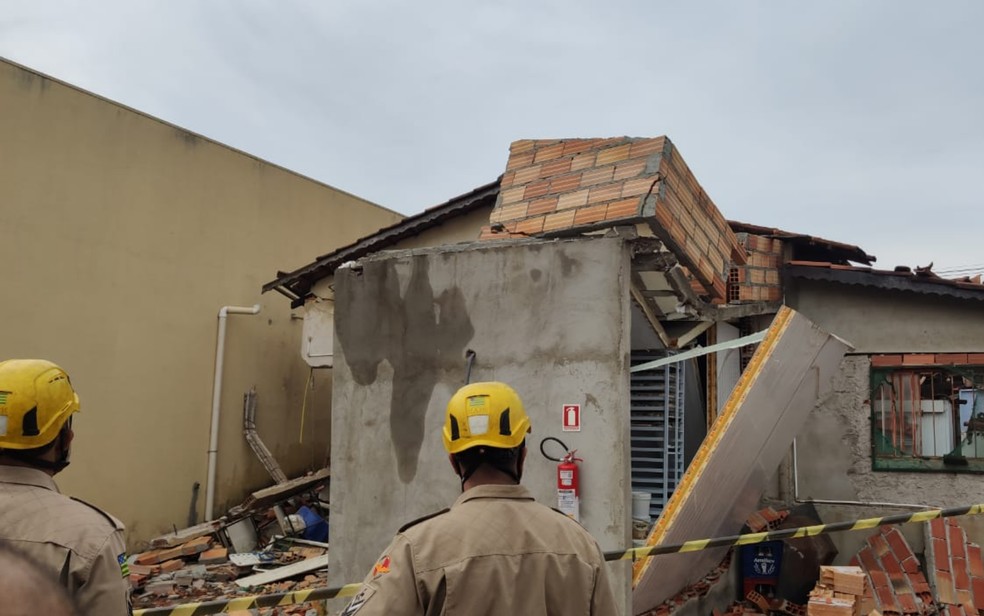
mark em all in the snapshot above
pixel 920 280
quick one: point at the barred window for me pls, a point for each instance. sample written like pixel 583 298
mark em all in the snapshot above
pixel 927 417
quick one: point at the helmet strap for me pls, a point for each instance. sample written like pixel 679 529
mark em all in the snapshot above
pixel 467 463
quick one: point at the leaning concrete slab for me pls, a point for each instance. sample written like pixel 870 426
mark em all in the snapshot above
pixel 791 370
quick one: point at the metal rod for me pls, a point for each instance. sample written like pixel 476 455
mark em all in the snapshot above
pixel 469 360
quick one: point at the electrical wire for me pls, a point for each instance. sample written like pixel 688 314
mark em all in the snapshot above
pixel 300 436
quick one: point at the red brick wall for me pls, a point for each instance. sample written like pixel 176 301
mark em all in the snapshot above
pixel 927 359
pixel 758 280
pixel 553 187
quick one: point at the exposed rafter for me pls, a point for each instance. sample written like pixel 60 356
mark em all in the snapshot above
pixel 650 309
pixel 694 331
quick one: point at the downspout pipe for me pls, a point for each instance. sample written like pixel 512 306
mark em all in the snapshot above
pixel 213 430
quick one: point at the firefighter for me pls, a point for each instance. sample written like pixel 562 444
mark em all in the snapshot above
pixel 27 588
pixel 496 550
pixel 78 544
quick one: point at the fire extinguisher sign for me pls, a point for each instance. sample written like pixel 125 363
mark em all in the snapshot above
pixel 571 421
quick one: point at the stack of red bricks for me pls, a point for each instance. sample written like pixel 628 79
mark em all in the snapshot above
pixel 555 187
pixel 757 280
pixel 956 572
pixel 897 582
pixel 841 591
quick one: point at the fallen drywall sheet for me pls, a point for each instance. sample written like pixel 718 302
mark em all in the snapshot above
pixel 789 372
pixel 282 573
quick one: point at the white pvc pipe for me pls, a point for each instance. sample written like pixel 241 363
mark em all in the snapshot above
pixel 823 501
pixel 213 431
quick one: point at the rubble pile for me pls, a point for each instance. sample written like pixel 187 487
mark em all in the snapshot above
pixel 273 543
pixel 740 608
pixel 767 606
pixel 760 521
pixel 755 603
pixel 696 590
pixel 188 573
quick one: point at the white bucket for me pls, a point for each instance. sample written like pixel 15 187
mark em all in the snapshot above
pixel 640 505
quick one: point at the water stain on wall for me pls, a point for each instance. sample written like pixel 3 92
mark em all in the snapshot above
pixel 421 335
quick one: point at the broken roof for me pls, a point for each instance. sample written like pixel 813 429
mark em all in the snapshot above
pixel 562 187
pixel 297 284
pixel 840 253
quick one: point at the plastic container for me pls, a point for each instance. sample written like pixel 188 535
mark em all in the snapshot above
pixel 640 505
pixel 315 527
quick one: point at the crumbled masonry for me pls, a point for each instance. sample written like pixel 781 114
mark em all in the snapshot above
pixel 199 564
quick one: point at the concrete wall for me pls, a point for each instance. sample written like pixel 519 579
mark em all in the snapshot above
pixel 551 318
pixel 318 341
pixel 834 449
pixel 121 237
pixel 883 321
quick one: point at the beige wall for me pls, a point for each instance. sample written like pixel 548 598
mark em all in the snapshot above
pixel 121 236
pixel 464 228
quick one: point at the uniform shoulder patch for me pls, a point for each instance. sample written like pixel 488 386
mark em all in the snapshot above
pixel 358 601
pixel 116 524
pixel 409 525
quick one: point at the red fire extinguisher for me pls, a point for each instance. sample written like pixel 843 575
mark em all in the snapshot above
pixel 568 483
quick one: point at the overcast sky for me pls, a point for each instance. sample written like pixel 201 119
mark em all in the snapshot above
pixel 860 121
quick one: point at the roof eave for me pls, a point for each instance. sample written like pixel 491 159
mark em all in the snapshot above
pixel 299 281
pixel 888 281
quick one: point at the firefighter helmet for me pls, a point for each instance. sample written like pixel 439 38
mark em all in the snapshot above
pixel 486 414
pixel 36 399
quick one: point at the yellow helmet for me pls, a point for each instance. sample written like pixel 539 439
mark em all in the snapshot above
pixel 36 399
pixel 485 415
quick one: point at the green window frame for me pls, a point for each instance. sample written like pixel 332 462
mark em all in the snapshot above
pixel 927 414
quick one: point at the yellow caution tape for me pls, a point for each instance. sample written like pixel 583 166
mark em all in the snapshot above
pixel 635 554
pixel 254 601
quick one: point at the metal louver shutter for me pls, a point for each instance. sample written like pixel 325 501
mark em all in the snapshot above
pixel 657 428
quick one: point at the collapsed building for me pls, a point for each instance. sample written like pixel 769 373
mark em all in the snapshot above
pixel 601 271
pixel 587 258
